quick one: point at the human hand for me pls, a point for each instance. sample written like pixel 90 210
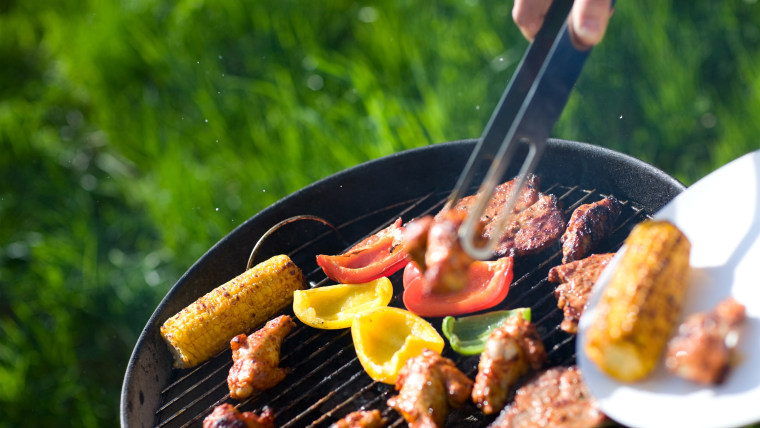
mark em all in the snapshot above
pixel 588 19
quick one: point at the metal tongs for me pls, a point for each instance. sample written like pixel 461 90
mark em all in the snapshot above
pixel 526 114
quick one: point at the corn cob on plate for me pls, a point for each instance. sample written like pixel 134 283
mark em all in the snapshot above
pixel 720 216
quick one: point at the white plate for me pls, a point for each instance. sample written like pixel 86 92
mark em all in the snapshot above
pixel 720 214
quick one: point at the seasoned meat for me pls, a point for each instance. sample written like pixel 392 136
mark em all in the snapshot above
pixel 589 224
pixel 257 357
pixel 537 221
pixel 428 385
pixel 557 397
pixel 434 245
pixel 227 416
pixel 536 228
pixel 512 350
pixel 576 279
pixel 528 197
pixel 702 350
pixel 361 419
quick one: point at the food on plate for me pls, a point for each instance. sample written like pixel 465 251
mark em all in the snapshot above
pixel 468 335
pixel 557 397
pixel 589 224
pixel 703 349
pixel 386 337
pixel 205 327
pixel 335 306
pixel 537 221
pixel 256 358
pixel 575 281
pixel 641 305
pixel 227 416
pixel 381 254
pixel 512 351
pixel 428 385
pixel 361 419
pixel 487 286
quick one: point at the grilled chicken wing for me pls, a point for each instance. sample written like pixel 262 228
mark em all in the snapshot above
pixel 558 397
pixel 361 419
pixel 428 385
pixel 512 350
pixel 227 416
pixel 576 279
pixel 257 357
pixel 702 351
pixel 588 225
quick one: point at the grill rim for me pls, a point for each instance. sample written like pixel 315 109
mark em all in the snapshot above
pixel 149 368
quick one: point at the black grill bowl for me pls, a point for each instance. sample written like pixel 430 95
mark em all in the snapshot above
pixel 327 381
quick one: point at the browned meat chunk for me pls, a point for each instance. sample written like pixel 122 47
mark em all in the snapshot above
pixel 257 357
pixel 528 197
pixel 531 231
pixel 227 416
pixel 589 224
pixel 556 398
pixel 702 351
pixel 512 350
pixel 576 279
pixel 434 245
pixel 428 385
pixel 361 419
pixel 537 221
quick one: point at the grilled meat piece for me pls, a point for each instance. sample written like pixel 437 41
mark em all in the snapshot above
pixel 589 224
pixel 257 357
pixel 528 197
pixel 702 351
pixel 361 419
pixel 536 224
pixel 428 385
pixel 433 243
pixel 512 350
pixel 531 231
pixel 227 416
pixel 576 279
pixel 558 397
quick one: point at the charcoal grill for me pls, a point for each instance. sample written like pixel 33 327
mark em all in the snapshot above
pixel 327 381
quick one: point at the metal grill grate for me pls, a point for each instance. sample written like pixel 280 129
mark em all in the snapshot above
pixel 327 381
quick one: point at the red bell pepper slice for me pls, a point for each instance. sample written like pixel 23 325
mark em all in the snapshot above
pixel 487 286
pixel 381 254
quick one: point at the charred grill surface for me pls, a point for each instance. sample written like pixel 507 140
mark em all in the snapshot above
pixel 327 382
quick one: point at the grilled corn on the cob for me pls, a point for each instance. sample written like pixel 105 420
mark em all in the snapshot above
pixel 206 326
pixel 642 302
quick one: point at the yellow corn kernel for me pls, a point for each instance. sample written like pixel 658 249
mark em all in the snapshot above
pixel 642 303
pixel 205 327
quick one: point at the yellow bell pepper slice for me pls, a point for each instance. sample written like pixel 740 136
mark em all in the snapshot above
pixel 385 338
pixel 335 306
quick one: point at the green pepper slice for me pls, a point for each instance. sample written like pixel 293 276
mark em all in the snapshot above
pixel 468 335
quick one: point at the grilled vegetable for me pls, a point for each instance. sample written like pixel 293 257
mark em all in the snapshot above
pixel 335 306
pixel 386 337
pixel 468 335
pixel 641 304
pixel 205 327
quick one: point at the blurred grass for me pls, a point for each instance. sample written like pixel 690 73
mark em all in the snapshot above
pixel 135 135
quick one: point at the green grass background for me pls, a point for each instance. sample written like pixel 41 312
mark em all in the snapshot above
pixel 136 134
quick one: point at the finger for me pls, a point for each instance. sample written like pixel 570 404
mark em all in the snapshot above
pixel 529 16
pixel 588 21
